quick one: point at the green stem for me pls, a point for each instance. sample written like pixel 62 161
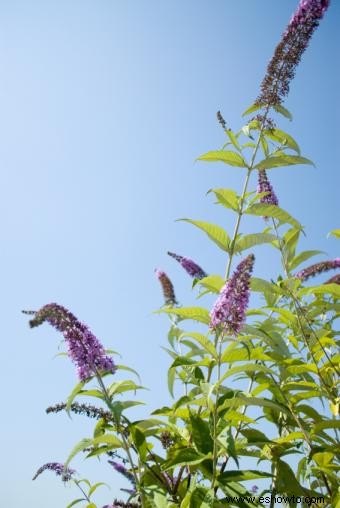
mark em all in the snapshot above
pixel 82 491
pixel 121 432
pixel 215 417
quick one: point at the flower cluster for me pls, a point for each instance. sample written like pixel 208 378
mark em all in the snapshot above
pixel 318 268
pixel 59 469
pixel 82 409
pixel 118 504
pixel 193 269
pixel 167 287
pixel 83 347
pixel 221 120
pixel 123 471
pixel 264 185
pixel 230 307
pixel 334 280
pixel 288 53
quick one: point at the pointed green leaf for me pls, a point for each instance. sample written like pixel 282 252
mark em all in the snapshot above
pixel 213 283
pixel 252 108
pixel 283 138
pixel 282 160
pixel 216 233
pixel 203 341
pixel 183 456
pixel 195 313
pixel 266 210
pixel 200 432
pixel 226 156
pixel 335 232
pixel 226 197
pixel 283 111
pixel 247 241
pixel 303 256
pixel 233 139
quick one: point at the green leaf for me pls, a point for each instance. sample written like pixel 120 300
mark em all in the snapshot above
pixel 76 501
pixel 226 156
pixel 216 233
pixel 283 138
pixel 203 341
pixel 108 439
pixel 252 108
pixel 139 440
pixel 201 497
pixel 266 210
pixel 200 431
pixel 335 232
pixel 248 241
pixel 183 456
pixel 76 390
pixel 95 487
pixel 239 476
pixel 226 197
pixel 195 313
pixel 213 283
pixel 332 289
pixel 303 256
pixel 263 286
pixel 283 111
pixel 84 443
pixel 245 369
pixel 233 139
pixel 282 160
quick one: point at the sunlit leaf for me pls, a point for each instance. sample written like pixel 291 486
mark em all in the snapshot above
pixel 226 156
pixel 216 233
pixel 282 160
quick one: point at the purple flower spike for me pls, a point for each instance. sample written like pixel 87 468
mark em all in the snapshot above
pixel 333 280
pixel 288 53
pixel 318 268
pixel 230 307
pixel 123 471
pixel 66 474
pixel 254 489
pixel 84 348
pixel 189 266
pixel 167 287
pixel 264 185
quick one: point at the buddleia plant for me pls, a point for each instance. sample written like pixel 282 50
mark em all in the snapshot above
pixel 252 354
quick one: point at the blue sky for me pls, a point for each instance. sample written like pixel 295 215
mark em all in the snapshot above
pixel 104 107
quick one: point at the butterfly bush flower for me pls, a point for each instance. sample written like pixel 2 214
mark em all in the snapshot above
pixel 167 287
pixel 318 268
pixel 123 471
pixel 288 53
pixel 333 280
pixel 189 266
pixel 66 474
pixel 230 307
pixel 83 347
pixel 264 185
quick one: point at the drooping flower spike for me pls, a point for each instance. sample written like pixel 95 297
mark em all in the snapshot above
pixel 318 268
pixel 121 469
pixel 333 280
pixel 83 347
pixel 192 268
pixel 66 474
pixel 167 287
pixel 288 53
pixel 229 310
pixel 264 185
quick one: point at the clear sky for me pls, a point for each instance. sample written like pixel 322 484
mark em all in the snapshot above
pixel 104 106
